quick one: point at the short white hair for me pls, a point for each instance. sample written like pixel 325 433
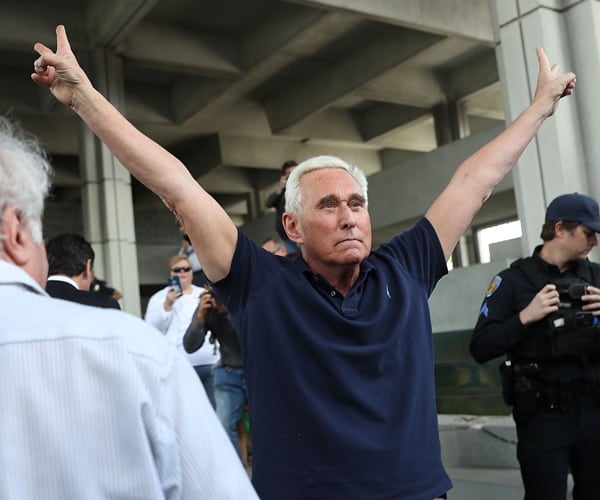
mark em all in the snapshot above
pixel 293 193
pixel 24 176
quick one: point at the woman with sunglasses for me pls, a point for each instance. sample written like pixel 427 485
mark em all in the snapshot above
pixel 170 310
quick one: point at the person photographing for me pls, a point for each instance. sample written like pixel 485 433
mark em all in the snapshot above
pixel 171 309
pixel 228 375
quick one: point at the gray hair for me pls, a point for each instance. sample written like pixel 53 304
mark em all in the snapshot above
pixel 24 176
pixel 293 193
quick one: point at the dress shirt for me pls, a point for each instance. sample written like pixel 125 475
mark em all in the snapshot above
pixel 64 279
pixel 96 405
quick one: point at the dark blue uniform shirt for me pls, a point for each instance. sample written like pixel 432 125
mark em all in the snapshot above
pixel 498 327
pixel 341 389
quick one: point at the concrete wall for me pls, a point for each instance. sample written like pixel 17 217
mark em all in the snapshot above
pixel 456 300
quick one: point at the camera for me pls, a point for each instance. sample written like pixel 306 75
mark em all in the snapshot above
pixel 571 315
pixel 570 292
pixel 210 297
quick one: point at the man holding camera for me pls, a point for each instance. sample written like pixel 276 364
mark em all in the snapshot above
pixel 543 313
pixel 230 393
pixel 276 200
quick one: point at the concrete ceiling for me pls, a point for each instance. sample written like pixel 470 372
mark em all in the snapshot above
pixel 236 87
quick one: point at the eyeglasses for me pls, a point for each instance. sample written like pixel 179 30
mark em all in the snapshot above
pixel 185 269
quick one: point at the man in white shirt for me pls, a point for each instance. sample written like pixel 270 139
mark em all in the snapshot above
pixel 95 403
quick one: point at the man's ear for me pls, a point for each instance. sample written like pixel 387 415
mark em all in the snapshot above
pixel 560 230
pixel 85 278
pixel 88 267
pixel 290 224
pixel 15 237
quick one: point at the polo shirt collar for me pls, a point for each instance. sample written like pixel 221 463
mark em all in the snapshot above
pixel 322 284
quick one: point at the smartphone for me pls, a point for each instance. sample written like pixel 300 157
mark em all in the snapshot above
pixel 174 283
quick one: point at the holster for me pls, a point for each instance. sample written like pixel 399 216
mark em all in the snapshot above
pixel 521 387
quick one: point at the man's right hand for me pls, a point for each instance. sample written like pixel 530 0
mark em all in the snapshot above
pixel 207 301
pixel 172 295
pixel 545 302
pixel 59 71
pixel 282 182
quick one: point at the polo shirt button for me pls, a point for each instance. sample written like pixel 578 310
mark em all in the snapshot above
pixel 332 293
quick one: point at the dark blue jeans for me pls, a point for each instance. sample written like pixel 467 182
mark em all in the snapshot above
pixel 230 397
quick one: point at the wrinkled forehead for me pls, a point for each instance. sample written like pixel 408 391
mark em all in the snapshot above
pixel 329 182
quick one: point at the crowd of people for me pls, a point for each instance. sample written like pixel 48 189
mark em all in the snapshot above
pixel 327 340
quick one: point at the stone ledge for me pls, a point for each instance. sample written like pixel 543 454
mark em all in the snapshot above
pixel 478 441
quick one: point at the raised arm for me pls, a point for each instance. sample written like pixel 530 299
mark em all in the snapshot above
pixel 212 232
pixel 473 182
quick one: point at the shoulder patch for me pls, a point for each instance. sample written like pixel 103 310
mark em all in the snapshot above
pixel 493 286
pixel 484 310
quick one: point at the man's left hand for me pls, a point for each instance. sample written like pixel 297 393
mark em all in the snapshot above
pixel 592 300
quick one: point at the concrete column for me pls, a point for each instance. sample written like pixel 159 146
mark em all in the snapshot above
pixel 565 154
pixel 106 194
pixel 448 125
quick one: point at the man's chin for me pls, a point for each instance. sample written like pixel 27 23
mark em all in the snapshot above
pixel 354 256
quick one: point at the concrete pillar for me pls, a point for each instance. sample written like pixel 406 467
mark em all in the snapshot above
pixel 448 124
pixel 106 194
pixel 565 154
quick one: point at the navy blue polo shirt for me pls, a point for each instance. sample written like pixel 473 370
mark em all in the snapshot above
pixel 341 389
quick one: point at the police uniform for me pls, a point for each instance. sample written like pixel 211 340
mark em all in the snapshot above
pixel 553 392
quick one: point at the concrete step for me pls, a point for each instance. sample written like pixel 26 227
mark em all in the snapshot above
pixel 479 483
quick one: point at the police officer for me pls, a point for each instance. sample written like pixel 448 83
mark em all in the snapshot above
pixel 543 313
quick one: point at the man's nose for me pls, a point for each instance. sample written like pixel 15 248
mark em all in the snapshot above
pixel 347 219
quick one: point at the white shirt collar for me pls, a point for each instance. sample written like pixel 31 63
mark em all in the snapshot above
pixel 10 274
pixel 64 279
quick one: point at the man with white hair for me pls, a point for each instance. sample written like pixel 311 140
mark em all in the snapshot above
pixel 95 403
pixel 337 343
